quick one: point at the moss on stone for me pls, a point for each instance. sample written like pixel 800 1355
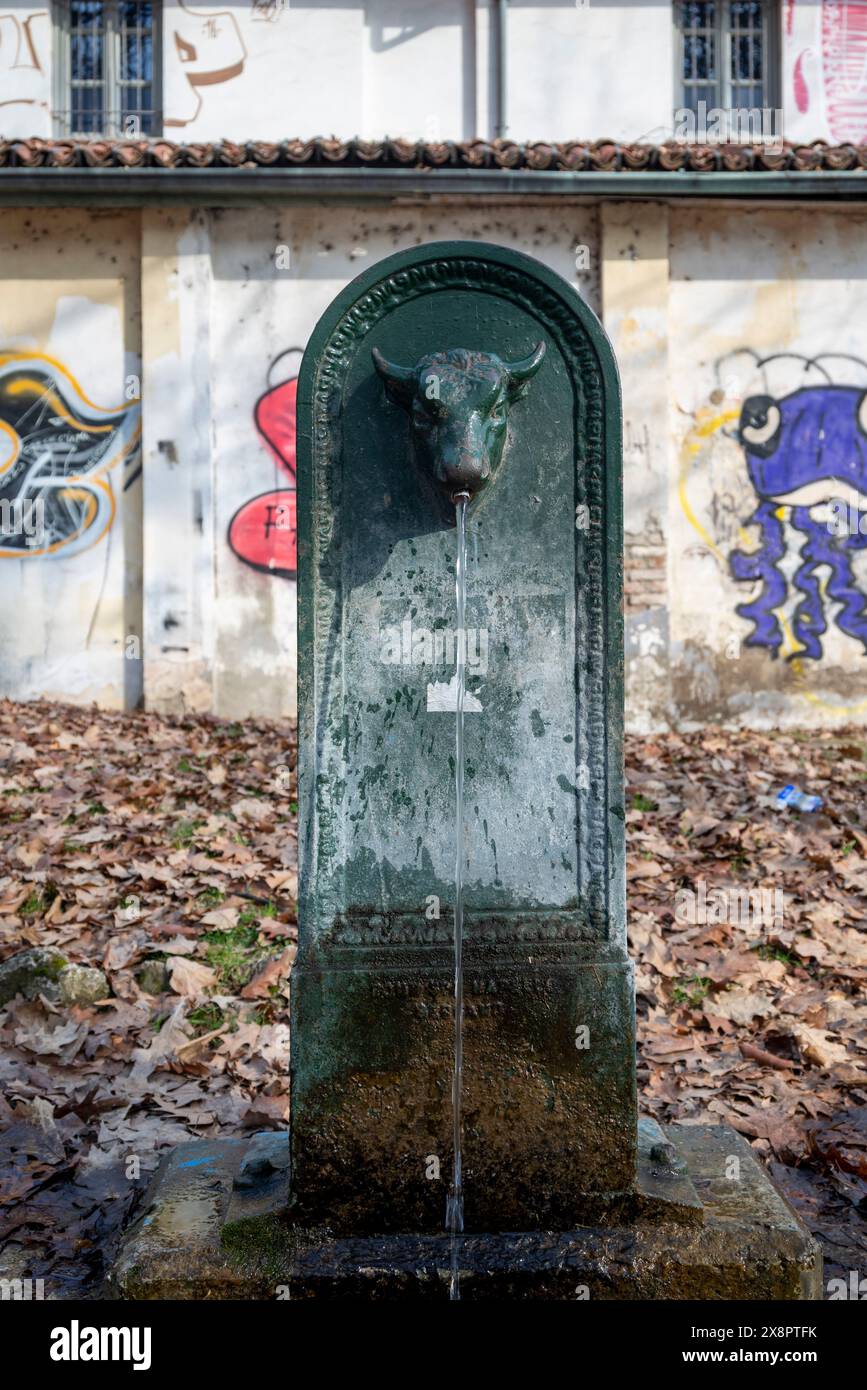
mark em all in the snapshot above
pixel 264 1245
pixel 46 971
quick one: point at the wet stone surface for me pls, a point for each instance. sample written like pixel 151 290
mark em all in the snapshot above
pixel 215 1225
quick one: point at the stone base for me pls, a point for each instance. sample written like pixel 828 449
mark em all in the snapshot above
pixel 549 1127
pixel 706 1223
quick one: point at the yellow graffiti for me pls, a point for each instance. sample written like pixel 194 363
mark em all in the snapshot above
pixel 9 358
pixel 91 489
pixel 693 443
pixel 35 388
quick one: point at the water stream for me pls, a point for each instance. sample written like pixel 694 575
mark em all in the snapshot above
pixel 455 1205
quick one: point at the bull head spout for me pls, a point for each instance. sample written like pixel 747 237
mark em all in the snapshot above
pixel 458 403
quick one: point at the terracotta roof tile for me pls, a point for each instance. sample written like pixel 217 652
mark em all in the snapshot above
pixel 571 155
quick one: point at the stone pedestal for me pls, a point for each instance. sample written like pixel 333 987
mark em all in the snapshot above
pixel 215 1226
pixel 546 1124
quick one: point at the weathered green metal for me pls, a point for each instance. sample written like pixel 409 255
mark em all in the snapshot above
pixel 550 1123
pixel 458 404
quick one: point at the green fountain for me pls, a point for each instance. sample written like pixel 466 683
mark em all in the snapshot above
pixel 464 1115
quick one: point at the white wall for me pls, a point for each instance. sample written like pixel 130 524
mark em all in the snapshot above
pixel 588 71
pixel 269 278
pixel 249 69
pixel 25 69
pixel 418 69
pixel 269 69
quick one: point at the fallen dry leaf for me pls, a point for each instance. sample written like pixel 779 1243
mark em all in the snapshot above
pixel 276 970
pixel 190 978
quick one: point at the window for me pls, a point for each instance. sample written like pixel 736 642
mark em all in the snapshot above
pixel 727 57
pixel 107 67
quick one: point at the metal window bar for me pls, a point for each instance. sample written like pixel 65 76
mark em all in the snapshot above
pixel 748 22
pixel 700 52
pixel 108 68
pixel 726 56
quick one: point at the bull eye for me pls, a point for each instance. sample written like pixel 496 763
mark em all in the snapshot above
pixel 760 424
pixel 862 414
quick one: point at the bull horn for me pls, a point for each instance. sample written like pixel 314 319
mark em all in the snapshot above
pixel 521 372
pixel 399 381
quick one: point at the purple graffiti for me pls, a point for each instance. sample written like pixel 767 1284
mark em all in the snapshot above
pixel 804 451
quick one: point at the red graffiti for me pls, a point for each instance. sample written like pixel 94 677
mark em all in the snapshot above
pixel 844 68
pixel 799 82
pixel 263 532
pixel 274 414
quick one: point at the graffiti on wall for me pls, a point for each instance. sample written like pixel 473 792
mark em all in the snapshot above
pixel 263 532
pixel 805 453
pixel 24 51
pixel 58 455
pixel 793 522
pixel 204 49
pixel 267 11
pixel 826 46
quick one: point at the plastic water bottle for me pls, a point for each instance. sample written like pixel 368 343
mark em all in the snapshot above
pixel 793 796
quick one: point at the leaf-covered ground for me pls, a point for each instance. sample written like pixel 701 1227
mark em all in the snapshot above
pixel 164 852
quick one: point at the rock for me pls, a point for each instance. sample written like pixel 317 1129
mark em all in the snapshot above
pixel 32 972
pixel 153 977
pixel 44 970
pixel 82 984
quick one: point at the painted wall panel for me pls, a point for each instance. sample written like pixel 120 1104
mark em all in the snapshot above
pixel 70 464
pixel 825 70
pixel 177 349
pixel 257 71
pixel 745 426
pixel 768 371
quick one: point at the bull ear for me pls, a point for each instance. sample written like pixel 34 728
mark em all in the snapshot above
pixel 521 373
pixel 399 381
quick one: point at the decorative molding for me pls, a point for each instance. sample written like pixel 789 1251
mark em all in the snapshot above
pixel 482 928
pixel 333 358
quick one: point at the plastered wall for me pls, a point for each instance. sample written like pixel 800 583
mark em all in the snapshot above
pixel 231 299
pixel 269 69
pixel 166 566
pixel 738 330
pixel 70 462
